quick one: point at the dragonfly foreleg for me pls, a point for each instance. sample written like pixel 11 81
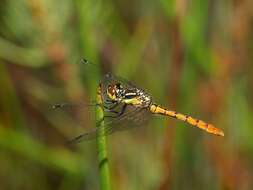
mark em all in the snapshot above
pixel 115 104
pixel 118 114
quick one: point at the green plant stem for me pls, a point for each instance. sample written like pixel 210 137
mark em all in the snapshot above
pixel 104 173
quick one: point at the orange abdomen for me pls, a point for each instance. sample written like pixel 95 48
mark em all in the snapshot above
pixel 194 122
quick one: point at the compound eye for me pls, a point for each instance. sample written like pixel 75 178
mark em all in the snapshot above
pixel 111 90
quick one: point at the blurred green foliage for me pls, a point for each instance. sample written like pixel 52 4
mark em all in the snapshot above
pixel 192 56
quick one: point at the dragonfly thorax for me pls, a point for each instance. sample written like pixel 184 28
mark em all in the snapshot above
pixel 132 96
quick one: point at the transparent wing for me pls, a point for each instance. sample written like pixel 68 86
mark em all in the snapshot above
pixel 113 122
pixel 110 77
pixel 133 117
pixel 77 110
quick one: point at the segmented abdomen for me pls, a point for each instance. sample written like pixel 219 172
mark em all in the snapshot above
pixel 194 122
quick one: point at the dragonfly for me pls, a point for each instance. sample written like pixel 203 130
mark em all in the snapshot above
pixel 122 100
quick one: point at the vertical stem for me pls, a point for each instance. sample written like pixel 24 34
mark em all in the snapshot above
pixel 104 173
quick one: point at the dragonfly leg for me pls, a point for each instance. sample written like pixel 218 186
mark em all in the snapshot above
pixel 110 109
pixel 115 104
pixel 118 114
pixel 109 101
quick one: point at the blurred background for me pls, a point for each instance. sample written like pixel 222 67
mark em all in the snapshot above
pixel 192 56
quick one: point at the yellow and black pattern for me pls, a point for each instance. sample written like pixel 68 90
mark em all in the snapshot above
pixel 120 92
pixel 99 97
pixel 156 109
pixel 124 102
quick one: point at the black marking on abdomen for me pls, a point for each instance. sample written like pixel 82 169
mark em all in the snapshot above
pixel 155 107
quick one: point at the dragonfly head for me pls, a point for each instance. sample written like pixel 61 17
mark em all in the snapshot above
pixel 115 92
